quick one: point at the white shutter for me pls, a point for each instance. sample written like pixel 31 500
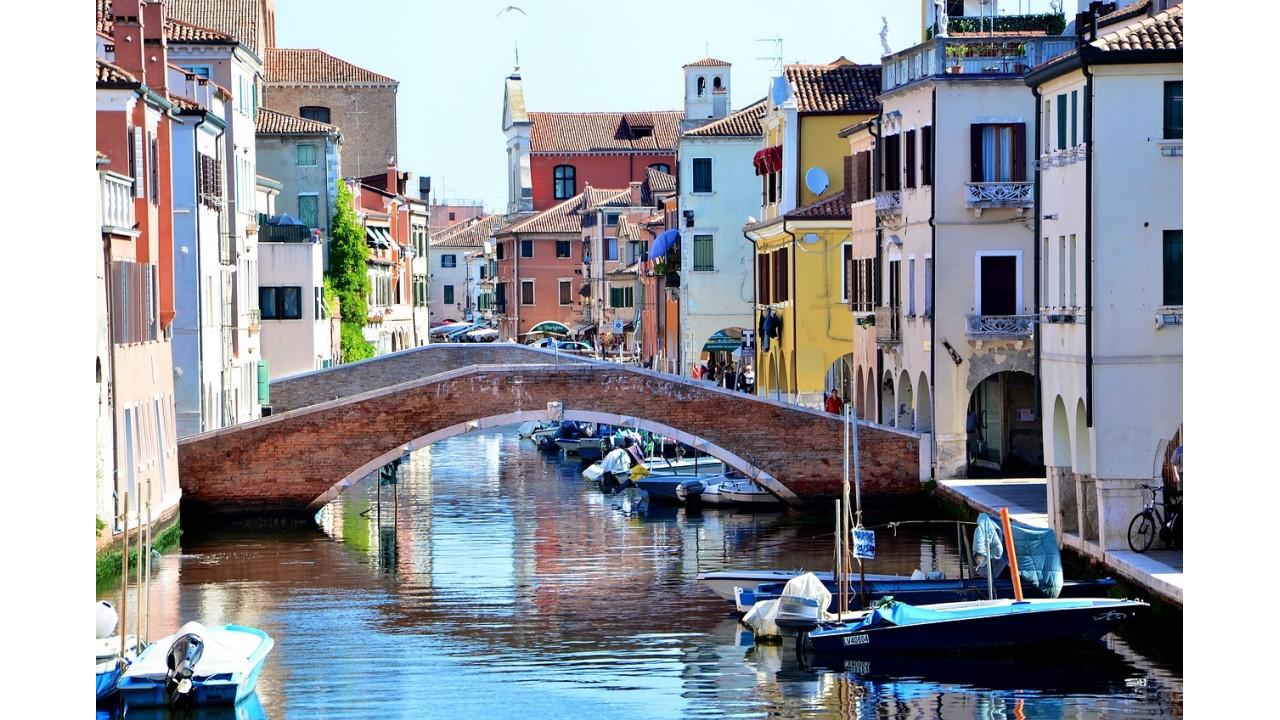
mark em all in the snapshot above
pixel 138 164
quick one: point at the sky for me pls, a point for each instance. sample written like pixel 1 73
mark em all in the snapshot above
pixel 451 59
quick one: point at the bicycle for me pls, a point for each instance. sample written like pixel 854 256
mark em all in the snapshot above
pixel 1144 526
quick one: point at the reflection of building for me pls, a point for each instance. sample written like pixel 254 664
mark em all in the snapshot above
pixel 1110 299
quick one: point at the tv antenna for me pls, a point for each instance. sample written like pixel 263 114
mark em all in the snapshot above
pixel 776 57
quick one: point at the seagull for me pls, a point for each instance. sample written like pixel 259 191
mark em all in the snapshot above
pixel 510 8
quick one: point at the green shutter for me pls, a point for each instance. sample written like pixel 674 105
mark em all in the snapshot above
pixel 1172 257
pixel 1062 121
pixel 264 383
pixel 1173 110
pixel 1074 121
pixel 703 253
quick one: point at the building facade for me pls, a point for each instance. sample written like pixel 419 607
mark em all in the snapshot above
pixel 304 156
pixel 861 274
pixel 458 269
pixel 296 326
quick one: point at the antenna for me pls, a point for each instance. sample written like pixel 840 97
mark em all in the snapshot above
pixel 776 57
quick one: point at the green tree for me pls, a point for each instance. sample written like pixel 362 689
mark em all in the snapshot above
pixel 348 260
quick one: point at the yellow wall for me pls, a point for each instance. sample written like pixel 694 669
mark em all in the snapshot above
pixel 816 319
pixel 821 146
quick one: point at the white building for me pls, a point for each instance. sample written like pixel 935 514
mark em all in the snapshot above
pixel 458 267
pixel 1110 290
pixel 955 191
pixel 296 333
pixel 718 192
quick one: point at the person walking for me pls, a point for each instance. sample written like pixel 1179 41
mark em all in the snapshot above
pixel 730 377
pixel 749 379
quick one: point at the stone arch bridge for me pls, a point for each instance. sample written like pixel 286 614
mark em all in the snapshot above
pixel 331 427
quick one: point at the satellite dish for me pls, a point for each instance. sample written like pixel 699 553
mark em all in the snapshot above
pixel 816 180
pixel 780 90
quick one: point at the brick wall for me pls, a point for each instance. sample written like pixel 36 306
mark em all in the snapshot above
pixel 290 462
pixel 365 115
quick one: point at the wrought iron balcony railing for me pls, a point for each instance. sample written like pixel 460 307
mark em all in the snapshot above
pixel 888 325
pixel 889 202
pixel 987 195
pixel 1000 327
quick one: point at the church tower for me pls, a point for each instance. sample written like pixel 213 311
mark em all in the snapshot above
pixel 706 90
pixel 517 127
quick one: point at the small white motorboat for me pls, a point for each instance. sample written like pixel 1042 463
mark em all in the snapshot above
pixel 662 466
pixel 745 492
pixel 110 663
pixel 217 665
pixel 568 445
pixel 533 428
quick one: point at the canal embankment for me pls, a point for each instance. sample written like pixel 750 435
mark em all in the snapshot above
pixel 165 533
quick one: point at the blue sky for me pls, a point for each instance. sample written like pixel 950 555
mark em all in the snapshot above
pixel 575 55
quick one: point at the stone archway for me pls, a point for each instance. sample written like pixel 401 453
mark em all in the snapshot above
pixel 1061 435
pixel 888 406
pixel 871 411
pixel 924 406
pixel 1083 460
pixel 840 377
pixel 905 408
pixel 1003 430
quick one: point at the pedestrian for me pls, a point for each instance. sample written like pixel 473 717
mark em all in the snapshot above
pixel 711 371
pixel 828 402
pixel 837 402
pixel 751 379
pixel 730 377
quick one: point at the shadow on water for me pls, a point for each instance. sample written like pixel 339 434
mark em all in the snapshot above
pixel 505 585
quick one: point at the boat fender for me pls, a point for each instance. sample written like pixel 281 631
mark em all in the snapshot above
pixel 181 660
pixel 106 619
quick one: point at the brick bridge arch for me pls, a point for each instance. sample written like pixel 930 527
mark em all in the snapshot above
pixel 333 427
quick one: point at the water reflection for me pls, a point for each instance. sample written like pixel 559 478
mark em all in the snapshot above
pixel 494 582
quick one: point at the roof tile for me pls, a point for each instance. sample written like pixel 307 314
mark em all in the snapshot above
pixel 567 216
pixel 834 206
pixel 706 62
pixel 311 65
pixel 743 123
pixel 1162 31
pixel 240 19
pixel 108 73
pixel 561 132
pixel 660 181
pixel 274 122
pixel 175 30
pixel 472 233
pixel 841 87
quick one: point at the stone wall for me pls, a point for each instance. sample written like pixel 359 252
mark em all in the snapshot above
pixel 366 115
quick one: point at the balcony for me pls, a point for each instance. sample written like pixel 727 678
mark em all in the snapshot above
pixel 953 57
pixel 989 195
pixel 117 202
pixel 888 202
pixel 255 321
pixel 1000 327
pixel 888 325
pixel 284 233
pixel 1049 23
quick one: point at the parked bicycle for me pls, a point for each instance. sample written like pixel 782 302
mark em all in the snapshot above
pixel 1156 518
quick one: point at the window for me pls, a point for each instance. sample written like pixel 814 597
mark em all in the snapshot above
pixel 1071 258
pixel 911 158
pixel 526 292
pixel 1044 272
pixel 319 113
pixel 702 175
pixel 781 279
pixel 154 162
pixel 1173 121
pixel 1172 267
pixel 566 292
pixel 451 218
pixel 998 292
pixel 702 86
pixel 280 303
pixel 565 182
pixel 895 285
pixel 703 253
pixel 661 167
pixel 891 160
pixel 621 297
pixel 926 155
pixel 309 210
pixel 911 287
pixel 611 219
pixel 526 248
pixel 955 8
pixel 850 283
pixel 563 249
pixel 448 294
pixel 1048 113
pixel 1074 119
pixel 996 152
pixel 611 248
pixel 1062 270
pixel 1062 121
pixel 306 154
pixel 448 261
pixel 772 180
pixel 135 160
pixel 501 251
pixel 762 279
pixel 928 287
pixel 199 70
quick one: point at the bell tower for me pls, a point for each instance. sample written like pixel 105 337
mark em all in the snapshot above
pixel 706 90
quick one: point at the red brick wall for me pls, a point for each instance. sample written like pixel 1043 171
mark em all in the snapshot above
pixel 613 172
pixel 287 462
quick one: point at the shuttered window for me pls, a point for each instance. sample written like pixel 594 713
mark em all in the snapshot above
pixel 621 297
pixel 1074 117
pixel 154 162
pixel 1173 110
pixel 926 155
pixel 891 162
pixel 781 286
pixel 566 292
pixel 1062 121
pixel 762 279
pixel 702 175
pixel 526 292
pixel 928 287
pixel 703 253
pixel 1172 267
pixel 911 158
pixel 997 152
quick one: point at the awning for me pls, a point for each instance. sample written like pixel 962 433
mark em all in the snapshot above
pixel 482 333
pixel 723 341
pixel 768 160
pixel 662 244
pixel 377 236
pixel 550 327
pixel 581 328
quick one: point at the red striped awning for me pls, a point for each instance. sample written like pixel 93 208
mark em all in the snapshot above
pixel 768 160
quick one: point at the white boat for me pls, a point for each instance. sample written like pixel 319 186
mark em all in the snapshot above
pixel 745 492
pixel 568 445
pixel 533 428
pixel 110 663
pixel 217 665
pixel 663 466
pixel 722 583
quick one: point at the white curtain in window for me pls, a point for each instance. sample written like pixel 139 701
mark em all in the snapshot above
pixel 997 153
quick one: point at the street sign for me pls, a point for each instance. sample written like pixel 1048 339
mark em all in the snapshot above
pixel 864 544
pixel 748 342
pixel 617 326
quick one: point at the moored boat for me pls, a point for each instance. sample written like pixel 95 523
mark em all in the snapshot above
pixel 217 665
pixel 724 582
pixel 110 663
pixel 974 626
pixel 746 492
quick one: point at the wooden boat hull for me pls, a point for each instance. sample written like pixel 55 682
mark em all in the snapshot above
pixel 982 627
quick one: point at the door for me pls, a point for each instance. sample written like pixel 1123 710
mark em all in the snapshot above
pixel 998 295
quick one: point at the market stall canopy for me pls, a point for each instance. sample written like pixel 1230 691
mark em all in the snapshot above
pixel 550 327
pixel 768 160
pixel 663 243
pixel 724 341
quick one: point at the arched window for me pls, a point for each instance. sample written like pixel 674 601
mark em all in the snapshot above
pixel 702 86
pixel 319 113
pixel 661 167
pixel 566 182
pixel 716 85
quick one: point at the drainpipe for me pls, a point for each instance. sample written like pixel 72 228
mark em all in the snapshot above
pixel 795 377
pixel 933 254
pixel 1035 94
pixel 1088 241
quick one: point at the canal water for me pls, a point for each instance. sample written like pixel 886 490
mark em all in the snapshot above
pixel 495 582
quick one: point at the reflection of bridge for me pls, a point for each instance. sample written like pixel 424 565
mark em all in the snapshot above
pixel 334 426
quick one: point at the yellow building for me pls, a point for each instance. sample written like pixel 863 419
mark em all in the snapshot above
pixel 802 240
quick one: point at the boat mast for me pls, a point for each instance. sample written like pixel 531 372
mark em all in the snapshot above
pixel 857 494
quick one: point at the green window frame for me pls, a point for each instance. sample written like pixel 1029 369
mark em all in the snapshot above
pixel 309 210
pixel 305 154
pixel 704 253
pixel 1074 118
pixel 1172 268
pixel 448 294
pixel 1173 110
pixel 621 297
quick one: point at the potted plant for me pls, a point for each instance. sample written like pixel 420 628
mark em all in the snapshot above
pixel 956 53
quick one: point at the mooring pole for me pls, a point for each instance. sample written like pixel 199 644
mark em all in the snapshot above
pixel 124 575
pixel 1013 555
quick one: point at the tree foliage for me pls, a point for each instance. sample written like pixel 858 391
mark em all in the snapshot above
pixel 348 260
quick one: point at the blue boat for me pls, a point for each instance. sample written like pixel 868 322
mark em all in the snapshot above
pixel 973 626
pixel 928 592
pixel 213 666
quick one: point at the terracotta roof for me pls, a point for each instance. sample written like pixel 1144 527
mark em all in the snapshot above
pixel 311 65
pixel 472 233
pixel 660 181
pixel 1124 13
pixel 235 18
pixel 841 87
pixel 183 103
pixel 274 122
pixel 567 216
pixel 834 206
pixel 706 62
pixel 175 30
pixel 1162 31
pixel 559 132
pixel 108 73
pixel 743 123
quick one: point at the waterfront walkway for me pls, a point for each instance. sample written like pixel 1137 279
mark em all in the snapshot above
pixel 1160 572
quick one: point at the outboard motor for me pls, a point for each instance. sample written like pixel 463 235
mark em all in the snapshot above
pixel 690 491
pixel 183 655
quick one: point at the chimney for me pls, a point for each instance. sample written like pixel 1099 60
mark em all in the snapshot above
pixel 636 200
pixel 155 48
pixel 128 36
pixel 424 187
pixel 392 176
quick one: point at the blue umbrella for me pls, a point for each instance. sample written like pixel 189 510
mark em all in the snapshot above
pixel 663 243
pixel 283 219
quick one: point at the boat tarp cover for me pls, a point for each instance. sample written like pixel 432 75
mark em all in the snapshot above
pixel 762 618
pixel 896 613
pixel 1039 561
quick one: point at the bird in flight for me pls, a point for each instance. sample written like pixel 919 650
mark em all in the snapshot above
pixel 509 8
